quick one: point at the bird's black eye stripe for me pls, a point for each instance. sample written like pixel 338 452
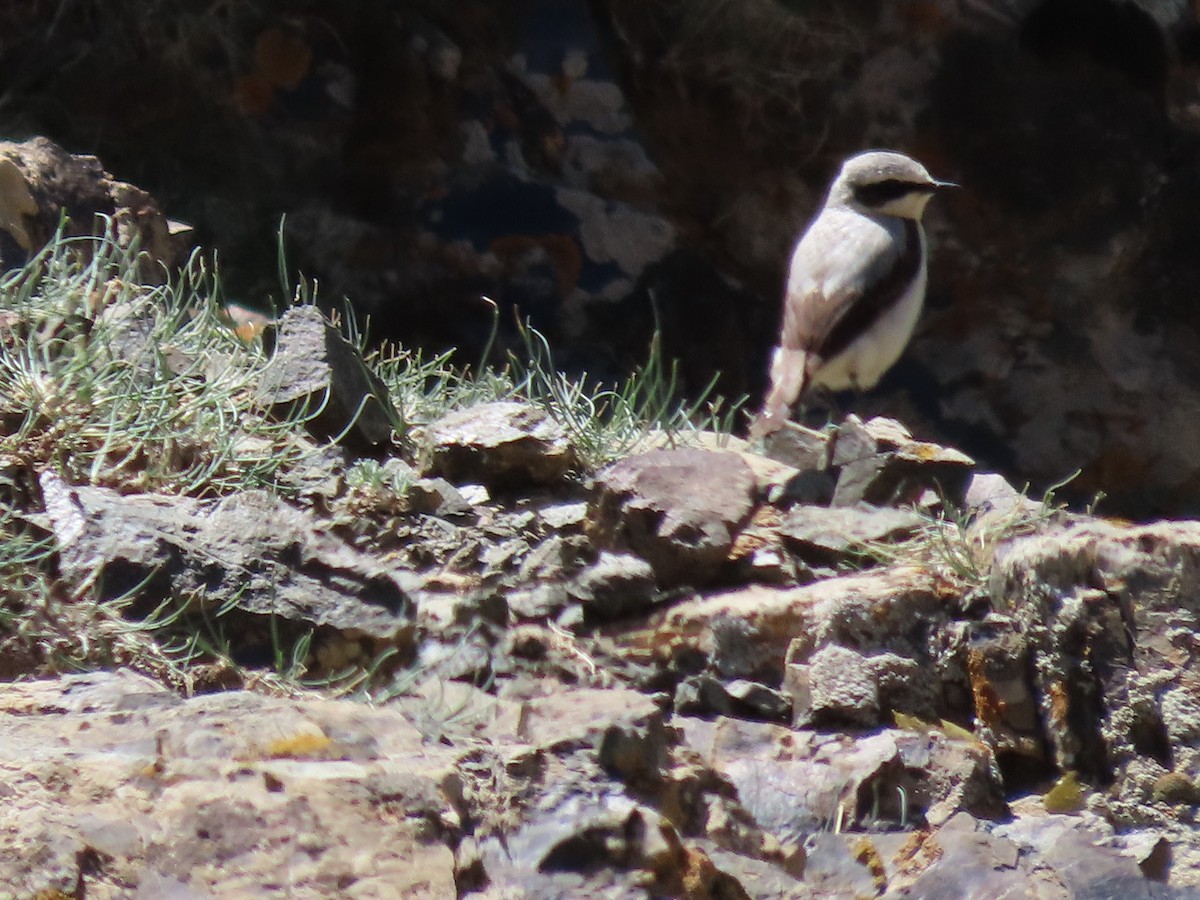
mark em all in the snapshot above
pixel 881 192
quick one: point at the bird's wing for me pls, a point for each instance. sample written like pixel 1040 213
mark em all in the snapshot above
pixel 842 253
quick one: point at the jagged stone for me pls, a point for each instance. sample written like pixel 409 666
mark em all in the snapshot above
pixel 797 783
pixel 880 463
pixel 501 445
pixel 250 552
pixel 616 584
pixel 584 846
pixel 1006 710
pixel 40 183
pixel 438 497
pixel 836 685
pixel 679 509
pixel 745 632
pixel 315 371
pixel 564 517
pixel 799 448
pixel 706 695
pixel 990 494
pixel 1118 597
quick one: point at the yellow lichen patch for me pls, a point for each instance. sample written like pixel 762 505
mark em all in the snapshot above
pixel 950 729
pixel 867 854
pixel 910 723
pixel 955 732
pixel 1065 797
pixel 919 852
pixel 309 743
pixel 16 202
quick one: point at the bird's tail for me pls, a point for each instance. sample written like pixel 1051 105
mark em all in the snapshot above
pixel 789 378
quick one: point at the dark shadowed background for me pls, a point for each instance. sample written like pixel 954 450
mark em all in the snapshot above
pixel 603 166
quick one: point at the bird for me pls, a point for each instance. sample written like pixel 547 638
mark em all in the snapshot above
pixel 856 283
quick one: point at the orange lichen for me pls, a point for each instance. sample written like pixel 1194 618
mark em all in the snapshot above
pixel 283 58
pixel 989 708
pixel 252 94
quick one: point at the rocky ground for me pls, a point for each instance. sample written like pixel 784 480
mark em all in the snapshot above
pixel 278 618
pixel 852 667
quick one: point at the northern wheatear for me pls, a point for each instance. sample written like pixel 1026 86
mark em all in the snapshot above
pixel 856 283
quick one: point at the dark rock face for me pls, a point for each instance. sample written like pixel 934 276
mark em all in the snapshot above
pixel 601 167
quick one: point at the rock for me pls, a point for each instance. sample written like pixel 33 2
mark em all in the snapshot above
pixel 962 859
pixel 250 552
pixel 589 718
pixel 204 796
pixel 745 632
pixel 615 585
pixel 1006 711
pixel 799 448
pixel 840 686
pixel 1083 856
pixel 824 536
pixel 760 880
pixel 796 783
pixel 546 579
pixel 584 847
pixel 842 865
pixel 438 497
pixel 318 374
pixel 40 183
pixel 679 509
pixel 988 493
pixel 1108 610
pixel 561 517
pixel 881 463
pixel 502 445
pixel 705 695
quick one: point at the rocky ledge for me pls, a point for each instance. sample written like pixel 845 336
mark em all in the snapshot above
pixel 851 667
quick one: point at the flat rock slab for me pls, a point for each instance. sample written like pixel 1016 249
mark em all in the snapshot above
pixel 680 510
pixel 222 795
pixel 822 535
pixel 502 445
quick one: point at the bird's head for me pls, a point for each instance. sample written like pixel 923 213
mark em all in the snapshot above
pixel 886 183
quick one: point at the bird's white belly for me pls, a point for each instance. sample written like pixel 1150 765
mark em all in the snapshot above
pixel 863 362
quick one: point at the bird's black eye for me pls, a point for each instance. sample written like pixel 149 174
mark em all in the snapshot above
pixel 879 193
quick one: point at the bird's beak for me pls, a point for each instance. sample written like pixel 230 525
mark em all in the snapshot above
pixel 942 185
